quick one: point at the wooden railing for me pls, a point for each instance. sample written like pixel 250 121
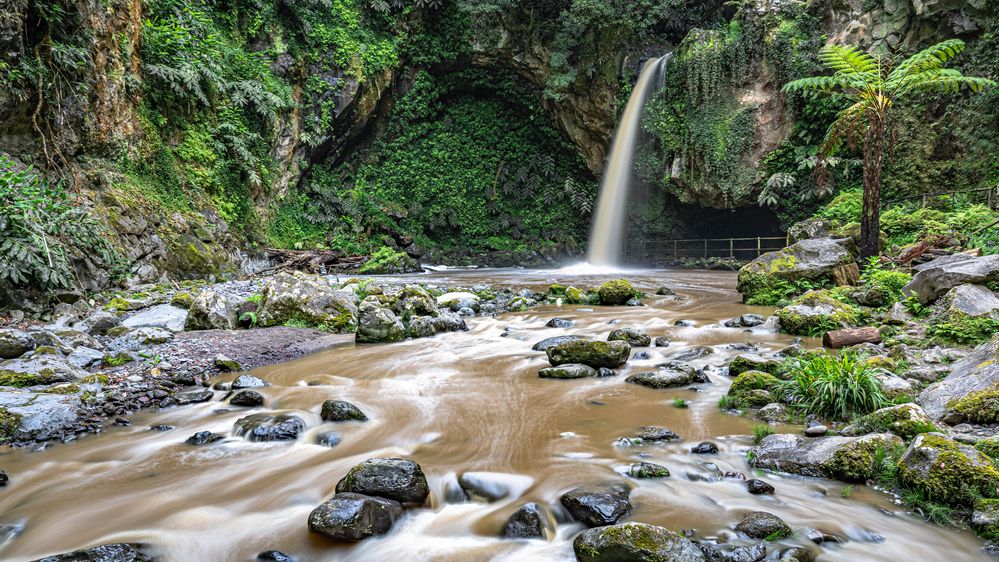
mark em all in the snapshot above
pixel 736 248
pixel 991 197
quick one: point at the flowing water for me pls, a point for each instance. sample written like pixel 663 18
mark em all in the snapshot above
pixel 608 222
pixel 458 402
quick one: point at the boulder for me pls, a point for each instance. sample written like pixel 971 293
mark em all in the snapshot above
pixel 934 278
pixel 212 310
pixel 763 525
pixel 733 553
pixel 645 470
pixel 633 336
pixel 669 375
pixel 964 308
pixel 808 228
pixel 15 343
pixel 377 323
pixel 353 517
pixel 705 448
pixel 269 427
pixel 635 542
pixel 528 522
pixel 340 411
pixel 616 292
pixel 977 375
pixel 27 416
pixel 41 368
pixel 744 363
pixel 568 371
pixel 588 352
pixel 118 552
pixel 846 458
pixel 396 479
pixel 204 438
pixel 773 413
pixel 815 312
pixel 247 398
pixel 544 344
pixel 458 300
pixel 190 397
pixel 559 323
pixel 248 381
pixel 98 322
pixel 226 364
pixel 163 316
pixel 598 505
pixel 494 486
pixel 307 298
pixel 985 517
pixel 947 471
pixel 904 420
pixel 758 487
pixel 812 259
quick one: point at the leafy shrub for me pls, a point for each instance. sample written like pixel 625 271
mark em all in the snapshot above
pixel 833 386
pixel 882 286
pixel 42 233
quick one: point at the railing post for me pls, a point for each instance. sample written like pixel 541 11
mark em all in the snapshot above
pixel 705 248
pixel 759 246
pixel 731 248
pixel 676 254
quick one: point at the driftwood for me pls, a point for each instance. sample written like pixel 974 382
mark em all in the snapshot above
pixel 851 336
pixel 312 261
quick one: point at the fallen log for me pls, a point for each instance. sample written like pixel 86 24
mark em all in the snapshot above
pixel 851 336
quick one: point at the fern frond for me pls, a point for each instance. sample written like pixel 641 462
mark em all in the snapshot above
pixel 847 59
pixel 833 83
pixel 931 58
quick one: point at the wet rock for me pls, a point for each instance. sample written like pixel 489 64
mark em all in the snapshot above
pixel 763 525
pixel 662 341
pixel 593 353
pixel 309 298
pixel 161 427
pixel 934 278
pixel 796 554
pixel 329 439
pixel 751 320
pixel 341 411
pixel 226 365
pixel 247 398
pixel 819 537
pixel 904 420
pixel 4 479
pixel 118 552
pixel 568 371
pixel 27 416
pixel 641 355
pixel 190 397
pixel 774 412
pixel 756 486
pixel 847 458
pixel 693 353
pixel 633 336
pixel 705 448
pixel 494 486
pixel 41 368
pixel 459 300
pixel 212 310
pixel 15 343
pixel 604 372
pixel 645 470
pixel 274 556
pixel 269 427
pixel 976 372
pixel 378 324
pixel 634 542
pixel 816 431
pixel 598 505
pixel 397 479
pixel 665 291
pixel 559 323
pixel 946 470
pixel 733 553
pixel 353 517
pixel 528 522
pixel 248 381
pixel 162 316
pixel 684 323
pixel 808 259
pixel 655 433
pixel 669 375
pixel 544 344
pixel 204 438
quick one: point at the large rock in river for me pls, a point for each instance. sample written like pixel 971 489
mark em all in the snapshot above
pixel 397 479
pixel 668 375
pixel 637 542
pixel 269 427
pixel 596 354
pixel 809 259
pixel 308 298
pixel 598 505
pixel 845 458
pixel 976 372
pixel 934 278
pixel 352 517
pixel 377 323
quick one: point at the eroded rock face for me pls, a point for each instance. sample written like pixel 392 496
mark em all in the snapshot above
pixel 637 542
pixel 396 479
pixel 307 298
pixel 809 259
pixel 934 278
pixel 353 517
pixel 846 458
pixel 978 371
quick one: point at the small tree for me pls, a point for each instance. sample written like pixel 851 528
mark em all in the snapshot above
pixel 875 88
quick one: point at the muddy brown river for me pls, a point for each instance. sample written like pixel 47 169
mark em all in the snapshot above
pixel 454 403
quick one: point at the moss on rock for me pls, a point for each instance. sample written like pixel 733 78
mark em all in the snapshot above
pixel 616 292
pixel 744 363
pixel 817 312
pixel 752 380
pixel 947 471
pixel 10 422
pixel 979 407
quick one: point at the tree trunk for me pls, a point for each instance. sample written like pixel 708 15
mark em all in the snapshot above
pixel 874 160
pixel 850 336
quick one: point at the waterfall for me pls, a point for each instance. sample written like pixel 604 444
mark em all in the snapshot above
pixel 608 224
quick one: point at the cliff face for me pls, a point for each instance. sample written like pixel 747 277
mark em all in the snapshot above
pixel 94 100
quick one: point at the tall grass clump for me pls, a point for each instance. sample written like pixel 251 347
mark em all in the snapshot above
pixel 835 387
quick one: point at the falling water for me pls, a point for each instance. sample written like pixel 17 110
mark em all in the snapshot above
pixel 608 225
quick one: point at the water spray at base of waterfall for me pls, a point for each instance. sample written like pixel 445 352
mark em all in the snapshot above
pixel 609 221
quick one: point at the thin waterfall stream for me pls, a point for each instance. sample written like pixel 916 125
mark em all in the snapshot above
pixel 611 212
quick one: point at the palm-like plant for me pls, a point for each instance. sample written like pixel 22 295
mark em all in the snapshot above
pixel 875 86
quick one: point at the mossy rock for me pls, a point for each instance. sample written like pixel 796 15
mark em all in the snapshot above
pixel 750 381
pixel 904 420
pixel 556 290
pixel 857 461
pixel 388 260
pixel 616 292
pixel 946 471
pixel 744 363
pixel 10 422
pixel 576 296
pixel 596 354
pixel 985 519
pixel 817 312
pixel 989 446
pixel 775 276
pixel 980 406
pixel 182 299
